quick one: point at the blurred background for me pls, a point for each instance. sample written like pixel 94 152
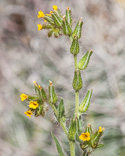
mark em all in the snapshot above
pixel 27 55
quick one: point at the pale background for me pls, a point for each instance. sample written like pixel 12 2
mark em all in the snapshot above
pixel 27 55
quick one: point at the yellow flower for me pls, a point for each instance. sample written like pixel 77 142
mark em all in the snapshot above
pixel 55 7
pixel 28 113
pixel 67 8
pixel 85 136
pixel 39 86
pixel 48 14
pixel 39 27
pixel 45 20
pixel 23 97
pixel 51 12
pixel 101 129
pixel 33 104
pixel 40 14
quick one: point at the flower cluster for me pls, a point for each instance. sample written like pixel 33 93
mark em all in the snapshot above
pixel 90 139
pixel 37 102
pixel 55 22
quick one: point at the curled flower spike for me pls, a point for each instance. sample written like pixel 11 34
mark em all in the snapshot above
pixel 85 136
pixel 55 7
pixel 33 104
pixel 28 113
pixel 40 14
pixel 23 97
pixel 40 27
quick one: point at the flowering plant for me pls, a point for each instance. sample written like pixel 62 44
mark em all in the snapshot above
pixel 89 140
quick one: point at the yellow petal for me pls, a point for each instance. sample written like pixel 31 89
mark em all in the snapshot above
pixel 55 7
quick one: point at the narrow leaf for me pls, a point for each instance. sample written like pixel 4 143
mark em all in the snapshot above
pixel 86 102
pixel 59 148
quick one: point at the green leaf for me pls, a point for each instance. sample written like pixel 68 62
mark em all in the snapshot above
pixel 72 130
pixel 100 145
pixel 57 19
pixel 59 148
pixel 61 110
pixel 74 49
pixel 78 29
pixel 77 81
pixel 66 28
pixel 83 63
pixel 79 125
pixel 68 16
pixel 86 102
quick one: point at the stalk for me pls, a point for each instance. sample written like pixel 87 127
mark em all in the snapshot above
pixel 72 148
pixel 77 103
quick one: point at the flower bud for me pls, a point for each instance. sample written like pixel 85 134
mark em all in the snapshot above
pixel 43 94
pixel 74 49
pixel 49 19
pixel 83 63
pixel 57 19
pixel 52 94
pixel 72 130
pixel 61 110
pixel 39 111
pixel 96 137
pixel 66 28
pixel 47 26
pixel 56 33
pixel 69 17
pixel 50 33
pixel 86 102
pixel 78 28
pixel 88 129
pixel 77 81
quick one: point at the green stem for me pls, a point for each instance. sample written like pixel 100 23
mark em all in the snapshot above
pixel 64 128
pixel 61 122
pixel 75 61
pixel 72 148
pixel 77 103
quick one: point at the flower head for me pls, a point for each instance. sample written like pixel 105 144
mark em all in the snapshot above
pixel 85 136
pixel 33 104
pixel 23 97
pixel 28 113
pixel 67 8
pixel 55 7
pixel 40 14
pixel 40 27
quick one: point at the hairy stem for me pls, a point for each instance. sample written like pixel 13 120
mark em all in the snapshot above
pixel 77 103
pixel 61 122
pixel 75 61
pixel 72 148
